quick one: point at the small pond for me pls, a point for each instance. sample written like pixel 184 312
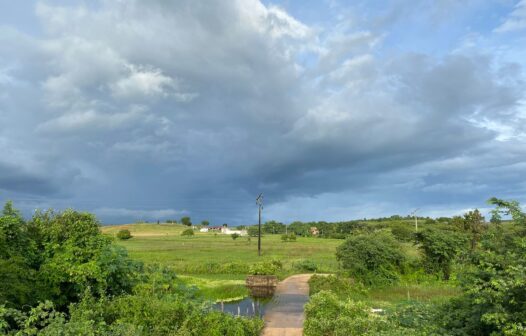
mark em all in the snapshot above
pixel 249 306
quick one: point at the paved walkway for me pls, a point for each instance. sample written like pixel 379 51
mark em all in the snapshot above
pixel 285 316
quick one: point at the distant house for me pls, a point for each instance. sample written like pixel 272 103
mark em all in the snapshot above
pixel 314 231
pixel 226 230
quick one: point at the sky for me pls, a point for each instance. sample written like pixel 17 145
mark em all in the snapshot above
pixel 334 110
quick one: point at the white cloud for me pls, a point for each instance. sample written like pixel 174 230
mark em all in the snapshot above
pixel 148 83
pixel 91 120
pixel 516 20
pixel 180 100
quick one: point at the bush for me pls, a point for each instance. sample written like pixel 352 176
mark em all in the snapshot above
pixel 188 232
pixel 402 232
pixel 327 315
pixel 440 248
pixel 374 258
pixel 264 268
pixel 306 265
pixel 235 236
pixel 124 234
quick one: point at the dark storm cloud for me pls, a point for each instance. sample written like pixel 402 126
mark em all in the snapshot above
pixel 155 109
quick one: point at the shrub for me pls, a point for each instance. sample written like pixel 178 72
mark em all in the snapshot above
pixel 440 248
pixel 494 289
pixel 402 232
pixel 235 236
pixel 374 258
pixel 341 286
pixel 327 315
pixel 288 237
pixel 188 232
pixel 306 265
pixel 264 268
pixel 124 234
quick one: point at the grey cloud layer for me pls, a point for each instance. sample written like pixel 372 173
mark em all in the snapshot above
pixel 155 109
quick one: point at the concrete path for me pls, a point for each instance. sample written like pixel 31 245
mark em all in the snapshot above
pixel 285 316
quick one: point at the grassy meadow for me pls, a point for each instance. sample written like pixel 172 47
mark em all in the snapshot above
pixel 218 265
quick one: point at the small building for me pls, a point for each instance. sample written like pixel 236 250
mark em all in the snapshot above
pixel 205 229
pixel 226 230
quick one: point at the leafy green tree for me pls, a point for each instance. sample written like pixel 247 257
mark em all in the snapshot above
pixel 205 223
pixel 253 231
pixel 235 236
pixel 10 211
pixel 374 258
pixel 494 289
pixel 186 221
pixel 474 225
pixel 440 248
pixel 508 208
pixel 299 228
pixel 273 227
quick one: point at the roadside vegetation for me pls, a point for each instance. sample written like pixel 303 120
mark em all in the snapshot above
pixel 61 276
pixel 469 278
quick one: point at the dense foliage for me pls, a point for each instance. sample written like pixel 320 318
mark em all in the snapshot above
pixel 487 261
pixel 61 276
pixel 372 258
pixel 440 248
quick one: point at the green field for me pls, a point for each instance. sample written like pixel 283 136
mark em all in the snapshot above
pixel 218 265
pixel 215 262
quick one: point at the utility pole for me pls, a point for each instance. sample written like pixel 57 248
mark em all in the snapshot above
pixel 259 202
pixel 416 219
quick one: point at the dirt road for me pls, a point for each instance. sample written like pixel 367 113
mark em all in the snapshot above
pixel 285 316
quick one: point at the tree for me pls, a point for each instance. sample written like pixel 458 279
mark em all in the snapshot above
pixel 493 284
pixel 508 208
pixel 9 210
pixel 372 258
pixel 440 248
pixel 235 236
pixel 253 231
pixel 474 225
pixel 205 223
pixel 273 227
pixel 186 221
